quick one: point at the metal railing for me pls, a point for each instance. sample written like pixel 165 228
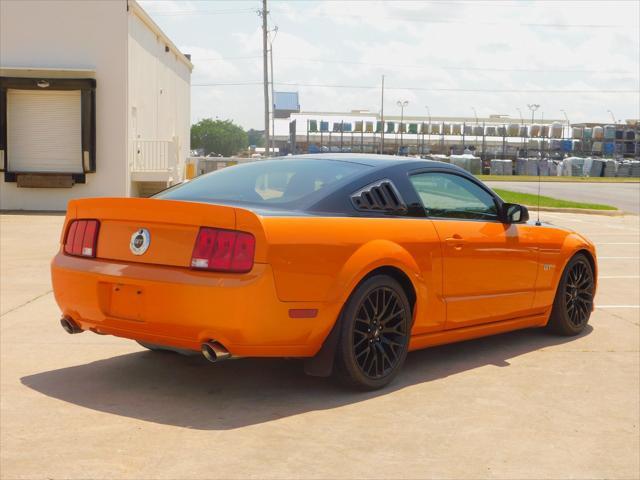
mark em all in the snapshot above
pixel 153 155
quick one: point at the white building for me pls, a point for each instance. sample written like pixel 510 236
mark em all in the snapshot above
pixel 94 101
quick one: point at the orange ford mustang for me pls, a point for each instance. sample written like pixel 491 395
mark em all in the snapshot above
pixel 349 261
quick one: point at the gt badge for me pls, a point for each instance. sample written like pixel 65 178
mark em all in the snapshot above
pixel 140 241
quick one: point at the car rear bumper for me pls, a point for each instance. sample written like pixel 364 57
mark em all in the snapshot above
pixel 183 308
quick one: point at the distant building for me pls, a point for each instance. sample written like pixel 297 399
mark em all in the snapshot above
pixel 495 136
pixel 95 101
pixel 285 103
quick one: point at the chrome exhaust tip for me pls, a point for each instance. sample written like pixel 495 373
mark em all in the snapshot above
pixel 70 326
pixel 214 351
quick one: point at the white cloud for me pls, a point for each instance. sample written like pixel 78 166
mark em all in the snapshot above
pixel 488 45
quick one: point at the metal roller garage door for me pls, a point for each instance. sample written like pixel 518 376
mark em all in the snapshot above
pixel 44 131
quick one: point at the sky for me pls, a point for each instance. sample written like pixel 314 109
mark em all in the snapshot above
pixel 582 57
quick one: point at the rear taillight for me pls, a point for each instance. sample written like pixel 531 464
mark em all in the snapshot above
pixel 223 250
pixel 82 238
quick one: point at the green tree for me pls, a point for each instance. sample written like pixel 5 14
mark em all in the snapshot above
pixel 256 137
pixel 218 136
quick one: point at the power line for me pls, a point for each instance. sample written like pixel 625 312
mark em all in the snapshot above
pixel 202 12
pixel 462 22
pixel 226 84
pixel 425 89
pixel 393 17
pixel 213 59
pixel 422 67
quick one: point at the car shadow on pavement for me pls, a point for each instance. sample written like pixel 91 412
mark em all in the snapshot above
pixel 172 389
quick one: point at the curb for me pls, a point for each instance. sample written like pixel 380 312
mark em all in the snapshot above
pixel 586 211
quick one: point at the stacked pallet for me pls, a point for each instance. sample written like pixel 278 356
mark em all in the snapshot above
pixel 572 167
pixel 593 167
pixel 610 168
pixel 467 162
pixel 500 166
pixel 527 166
pixel 543 167
pixel 629 169
pixel 556 130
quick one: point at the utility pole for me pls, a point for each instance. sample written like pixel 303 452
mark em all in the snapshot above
pixel 273 98
pixel 382 118
pixel 265 68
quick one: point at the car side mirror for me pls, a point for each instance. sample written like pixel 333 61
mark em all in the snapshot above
pixel 515 213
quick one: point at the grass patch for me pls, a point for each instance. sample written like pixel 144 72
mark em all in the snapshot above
pixel 532 200
pixel 533 178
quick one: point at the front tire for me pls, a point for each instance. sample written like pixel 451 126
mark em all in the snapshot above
pixel 375 327
pixel 573 303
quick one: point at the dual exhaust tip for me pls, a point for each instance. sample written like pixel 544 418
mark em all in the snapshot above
pixel 69 325
pixel 212 351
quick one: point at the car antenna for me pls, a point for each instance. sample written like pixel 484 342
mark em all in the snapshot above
pixel 533 107
pixel 538 215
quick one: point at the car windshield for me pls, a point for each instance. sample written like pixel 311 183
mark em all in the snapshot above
pixel 268 182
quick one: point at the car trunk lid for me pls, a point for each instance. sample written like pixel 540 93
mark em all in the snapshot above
pixel 171 226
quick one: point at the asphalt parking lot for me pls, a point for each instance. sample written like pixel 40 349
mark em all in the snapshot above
pixel 624 196
pixel 519 405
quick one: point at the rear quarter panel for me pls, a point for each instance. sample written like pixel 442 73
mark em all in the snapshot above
pixel 324 258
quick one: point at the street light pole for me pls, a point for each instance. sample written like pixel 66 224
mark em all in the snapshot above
pixel 533 107
pixel 402 104
pixel 475 114
pixel 429 129
pixel 381 118
pixel 521 127
pixel 568 123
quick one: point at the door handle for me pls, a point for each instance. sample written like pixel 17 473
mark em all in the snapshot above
pixel 456 242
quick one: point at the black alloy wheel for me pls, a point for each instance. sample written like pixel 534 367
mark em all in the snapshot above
pixel 375 332
pixel 379 333
pixel 574 298
pixel 578 294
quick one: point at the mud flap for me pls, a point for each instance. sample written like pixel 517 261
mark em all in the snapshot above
pixel 321 365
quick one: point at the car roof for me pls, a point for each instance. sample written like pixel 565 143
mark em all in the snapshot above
pixel 373 160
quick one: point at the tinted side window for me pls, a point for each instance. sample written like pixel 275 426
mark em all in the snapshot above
pixel 451 196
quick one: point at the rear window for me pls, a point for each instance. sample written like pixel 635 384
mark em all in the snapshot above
pixel 266 182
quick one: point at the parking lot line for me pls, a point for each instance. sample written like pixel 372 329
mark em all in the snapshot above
pixel 618 258
pixel 617 306
pixel 607 277
pixel 617 243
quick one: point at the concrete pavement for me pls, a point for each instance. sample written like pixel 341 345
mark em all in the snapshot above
pixel 624 196
pixel 519 405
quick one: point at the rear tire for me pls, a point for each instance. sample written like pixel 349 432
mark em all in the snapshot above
pixel 375 327
pixel 574 298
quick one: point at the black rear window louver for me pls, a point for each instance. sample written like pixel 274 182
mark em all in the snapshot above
pixel 381 196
